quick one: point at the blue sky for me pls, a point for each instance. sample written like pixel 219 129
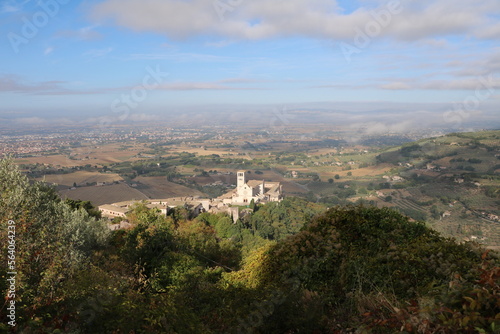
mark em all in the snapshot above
pixel 80 60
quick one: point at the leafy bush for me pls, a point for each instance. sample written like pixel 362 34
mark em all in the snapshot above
pixel 53 242
pixel 349 254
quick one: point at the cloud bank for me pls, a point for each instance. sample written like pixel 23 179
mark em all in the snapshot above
pixel 323 19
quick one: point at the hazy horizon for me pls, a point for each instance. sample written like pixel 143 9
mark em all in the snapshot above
pixel 402 64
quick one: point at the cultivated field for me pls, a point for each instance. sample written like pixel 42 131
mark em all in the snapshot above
pixel 89 155
pixel 110 153
pixel 200 151
pixel 81 178
pixel 371 171
pixel 159 187
pixel 289 186
pixel 55 160
pixel 105 194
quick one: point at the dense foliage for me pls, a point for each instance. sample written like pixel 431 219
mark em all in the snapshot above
pixel 280 269
pixel 276 221
pixel 52 242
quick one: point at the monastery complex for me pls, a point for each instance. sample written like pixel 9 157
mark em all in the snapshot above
pixel 246 191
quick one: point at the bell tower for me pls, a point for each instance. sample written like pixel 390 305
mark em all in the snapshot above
pixel 240 180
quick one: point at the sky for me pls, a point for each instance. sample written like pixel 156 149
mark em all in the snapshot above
pixel 421 62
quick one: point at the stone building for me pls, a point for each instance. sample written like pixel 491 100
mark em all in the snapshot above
pixel 256 190
pixel 110 210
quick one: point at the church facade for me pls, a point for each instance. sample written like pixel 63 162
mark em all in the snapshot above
pixel 256 190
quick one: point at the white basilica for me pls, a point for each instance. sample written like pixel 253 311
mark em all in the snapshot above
pixel 256 190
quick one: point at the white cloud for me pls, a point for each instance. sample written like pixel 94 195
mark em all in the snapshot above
pixel 490 32
pixel 376 128
pixel 436 43
pixel 396 86
pixel 11 6
pixel 259 19
pixel 219 44
pixel 181 57
pixel 16 84
pixel 86 33
pixel 7 8
pixel 219 85
pixel 465 84
pixel 97 53
pixel 486 82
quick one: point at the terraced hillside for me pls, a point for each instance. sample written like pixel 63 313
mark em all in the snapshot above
pixel 457 177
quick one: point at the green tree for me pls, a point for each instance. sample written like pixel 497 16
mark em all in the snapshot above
pixel 435 213
pixel 349 261
pixel 252 205
pixel 85 205
pixel 53 241
pixel 275 221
